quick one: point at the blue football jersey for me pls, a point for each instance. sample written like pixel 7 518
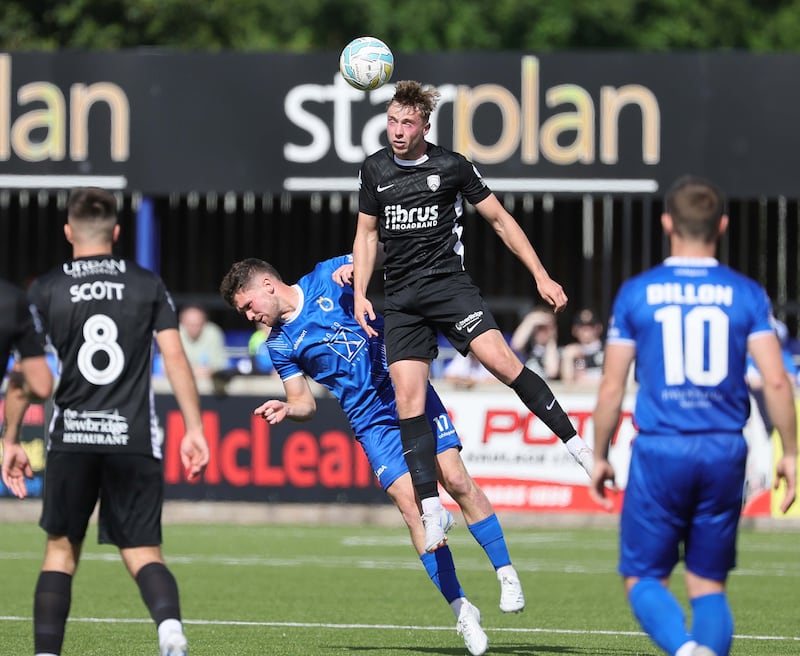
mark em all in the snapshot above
pixel 689 320
pixel 323 340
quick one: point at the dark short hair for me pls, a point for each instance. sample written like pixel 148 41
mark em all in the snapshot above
pixel 91 204
pixel 241 275
pixel 696 206
pixel 586 317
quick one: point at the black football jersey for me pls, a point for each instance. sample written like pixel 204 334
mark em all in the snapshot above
pixel 100 314
pixel 17 331
pixel 419 206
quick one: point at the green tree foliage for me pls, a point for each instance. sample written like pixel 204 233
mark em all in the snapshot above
pixel 407 25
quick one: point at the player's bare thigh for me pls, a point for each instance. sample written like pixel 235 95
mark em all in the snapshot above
pixel 496 355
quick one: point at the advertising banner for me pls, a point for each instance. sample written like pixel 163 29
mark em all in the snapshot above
pixel 310 462
pixel 512 455
pixel 163 122
pixel 522 466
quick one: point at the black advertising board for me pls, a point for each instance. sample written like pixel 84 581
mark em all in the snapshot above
pixel 162 122
pixel 317 461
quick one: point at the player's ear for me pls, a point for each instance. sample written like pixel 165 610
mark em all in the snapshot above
pixel 666 223
pixel 426 128
pixel 723 224
pixel 115 233
pixel 68 232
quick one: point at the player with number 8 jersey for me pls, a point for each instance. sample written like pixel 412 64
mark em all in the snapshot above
pixel 101 313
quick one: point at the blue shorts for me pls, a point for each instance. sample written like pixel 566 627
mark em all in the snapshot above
pixel 385 451
pixel 683 490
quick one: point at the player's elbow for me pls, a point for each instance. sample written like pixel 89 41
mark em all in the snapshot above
pixel 778 386
pixel 38 379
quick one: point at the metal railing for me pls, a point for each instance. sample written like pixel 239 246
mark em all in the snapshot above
pixel 590 244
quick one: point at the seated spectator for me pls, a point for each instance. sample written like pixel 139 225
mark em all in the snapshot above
pixel 465 372
pixel 582 360
pixel 536 342
pixel 203 341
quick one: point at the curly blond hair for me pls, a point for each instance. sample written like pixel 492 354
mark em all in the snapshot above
pixel 423 98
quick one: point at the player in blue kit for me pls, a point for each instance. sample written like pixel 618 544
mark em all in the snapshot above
pixel 689 324
pixel 315 334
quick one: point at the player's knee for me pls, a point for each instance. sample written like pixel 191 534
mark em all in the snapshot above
pixel 458 483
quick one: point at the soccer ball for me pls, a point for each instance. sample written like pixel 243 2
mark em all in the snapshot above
pixel 366 63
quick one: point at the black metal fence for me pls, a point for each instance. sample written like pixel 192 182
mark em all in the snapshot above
pixel 588 243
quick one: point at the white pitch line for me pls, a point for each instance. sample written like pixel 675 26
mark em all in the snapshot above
pixel 391 627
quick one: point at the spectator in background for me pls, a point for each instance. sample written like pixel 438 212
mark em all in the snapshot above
pixel 582 360
pixel 259 353
pixel 466 371
pixel 536 342
pixel 203 341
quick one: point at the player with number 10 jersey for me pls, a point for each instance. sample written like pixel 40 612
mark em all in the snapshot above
pixel 690 319
pixel 100 314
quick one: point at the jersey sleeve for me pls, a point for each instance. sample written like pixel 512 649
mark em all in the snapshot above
pixel 472 185
pixel 367 197
pixel 29 340
pixel 326 268
pixel 280 354
pixel 762 319
pixel 165 315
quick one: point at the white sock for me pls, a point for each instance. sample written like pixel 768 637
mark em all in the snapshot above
pixel 431 504
pixel 507 570
pixel 582 453
pixel 686 649
pixel 575 444
pixel 167 628
pixel 456 605
pixel 45 653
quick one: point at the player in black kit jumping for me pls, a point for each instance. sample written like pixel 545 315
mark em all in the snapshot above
pixel 100 313
pixel 411 199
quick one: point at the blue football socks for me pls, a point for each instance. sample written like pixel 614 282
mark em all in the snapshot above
pixel 712 622
pixel 659 614
pixel 489 535
pixel 442 570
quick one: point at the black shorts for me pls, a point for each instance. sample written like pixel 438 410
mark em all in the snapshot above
pixel 449 303
pixel 130 489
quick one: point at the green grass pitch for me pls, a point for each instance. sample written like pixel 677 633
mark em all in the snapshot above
pixel 307 590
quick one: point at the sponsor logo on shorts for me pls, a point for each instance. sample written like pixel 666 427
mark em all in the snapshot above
pixel 470 322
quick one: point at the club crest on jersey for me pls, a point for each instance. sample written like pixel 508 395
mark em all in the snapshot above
pixel 325 304
pixel 346 344
pixel 434 181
